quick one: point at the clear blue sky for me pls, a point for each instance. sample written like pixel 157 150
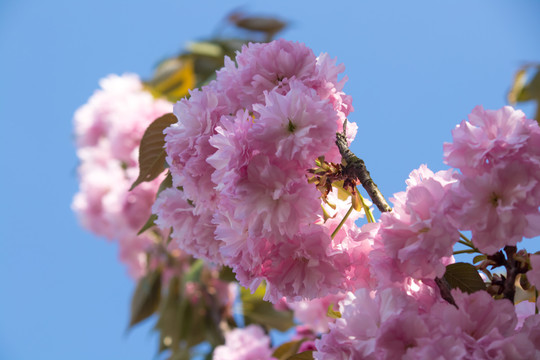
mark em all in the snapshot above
pixel 415 68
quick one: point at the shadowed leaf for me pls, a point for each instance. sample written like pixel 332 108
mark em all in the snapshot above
pixel 306 355
pixel 146 298
pixel 194 273
pixel 148 224
pixel 165 184
pixel 465 277
pixel 167 325
pixel 257 23
pixel 258 311
pixel 227 274
pixel 479 258
pixel 288 349
pixel 151 152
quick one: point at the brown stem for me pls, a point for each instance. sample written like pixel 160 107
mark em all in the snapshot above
pixel 445 289
pixel 355 168
pixel 512 271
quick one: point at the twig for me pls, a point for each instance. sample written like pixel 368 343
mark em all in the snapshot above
pixel 445 289
pixel 355 169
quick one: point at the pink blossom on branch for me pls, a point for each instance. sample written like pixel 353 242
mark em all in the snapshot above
pixel 498 193
pixel 241 151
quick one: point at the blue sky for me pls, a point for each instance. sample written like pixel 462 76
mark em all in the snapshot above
pixel 415 68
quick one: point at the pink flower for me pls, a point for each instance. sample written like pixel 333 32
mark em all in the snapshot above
pixel 354 335
pixel 187 144
pixel 263 67
pixel 249 343
pixel 496 206
pixel 313 313
pixel 241 150
pixel 490 136
pixel 296 126
pixel 108 131
pixel 193 233
pixel 417 236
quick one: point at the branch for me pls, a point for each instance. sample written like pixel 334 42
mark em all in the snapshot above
pixel 355 168
pixel 445 289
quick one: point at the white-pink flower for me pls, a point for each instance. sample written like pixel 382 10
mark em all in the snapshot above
pixel 249 343
pixel 108 130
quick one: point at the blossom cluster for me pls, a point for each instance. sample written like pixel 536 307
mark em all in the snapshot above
pixel 239 158
pixel 498 153
pixel 495 196
pixel 389 324
pixel 108 131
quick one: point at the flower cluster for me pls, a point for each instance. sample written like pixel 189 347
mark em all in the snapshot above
pixel 108 131
pixel 388 324
pixel 240 152
pixel 495 196
pixel 498 193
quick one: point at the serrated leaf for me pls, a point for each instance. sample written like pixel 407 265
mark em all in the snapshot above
pixel 479 258
pixel 465 277
pixel 306 355
pixel 146 298
pixel 227 274
pixel 151 152
pixel 258 311
pixel 287 349
pixel 148 224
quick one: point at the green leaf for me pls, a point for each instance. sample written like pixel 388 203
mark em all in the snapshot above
pixel 167 324
pixel 148 224
pixel 288 349
pixel 479 258
pixel 227 274
pixel 306 355
pixel 256 23
pixel 151 152
pixel 165 184
pixel 146 298
pixel 258 311
pixel 465 277
pixel 194 273
pixel 331 313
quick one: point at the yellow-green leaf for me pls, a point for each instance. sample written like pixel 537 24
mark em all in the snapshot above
pixel 479 258
pixel 146 298
pixel 465 277
pixel 258 311
pixel 151 152
pixel 306 355
pixel 288 349
pixel 331 313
